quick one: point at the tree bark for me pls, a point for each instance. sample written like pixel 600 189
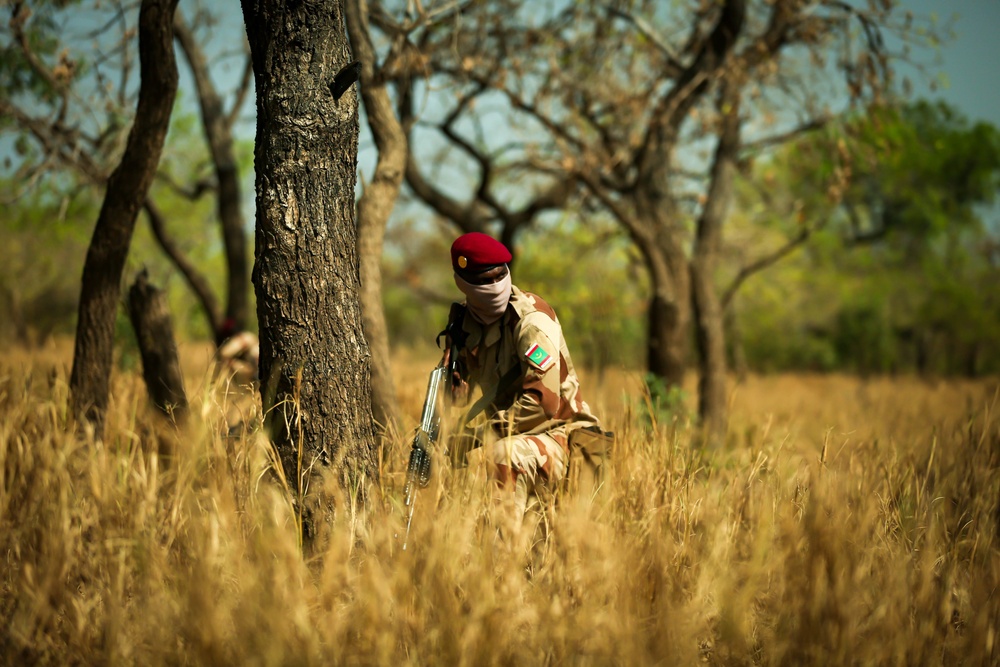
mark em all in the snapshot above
pixel 669 316
pixel 709 325
pixel 314 359
pixel 126 192
pixel 376 204
pixel 154 332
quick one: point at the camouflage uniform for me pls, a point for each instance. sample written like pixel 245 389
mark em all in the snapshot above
pixel 528 420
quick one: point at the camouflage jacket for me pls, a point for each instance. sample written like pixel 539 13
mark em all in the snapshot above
pixel 543 393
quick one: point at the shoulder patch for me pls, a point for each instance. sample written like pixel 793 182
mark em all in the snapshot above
pixel 537 356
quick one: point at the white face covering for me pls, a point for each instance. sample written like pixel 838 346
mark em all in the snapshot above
pixel 487 303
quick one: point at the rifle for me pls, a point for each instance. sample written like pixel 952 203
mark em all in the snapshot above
pixel 418 471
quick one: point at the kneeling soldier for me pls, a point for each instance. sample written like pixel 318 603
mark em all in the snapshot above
pixel 510 345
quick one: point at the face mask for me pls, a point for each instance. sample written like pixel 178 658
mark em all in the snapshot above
pixel 487 303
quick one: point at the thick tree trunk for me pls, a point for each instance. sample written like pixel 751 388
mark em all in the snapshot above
pixel 314 361
pixel 374 208
pixel 154 331
pixel 126 192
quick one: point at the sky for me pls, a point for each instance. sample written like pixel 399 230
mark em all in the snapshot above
pixel 971 61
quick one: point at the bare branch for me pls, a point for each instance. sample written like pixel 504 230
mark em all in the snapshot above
pixel 241 93
pixel 785 137
pixel 192 192
pixel 198 283
pixel 57 143
pixel 674 67
pixel 673 107
pixel 763 262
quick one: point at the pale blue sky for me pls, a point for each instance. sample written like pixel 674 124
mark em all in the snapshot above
pixel 972 60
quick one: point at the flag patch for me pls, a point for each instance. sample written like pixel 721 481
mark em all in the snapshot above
pixel 539 356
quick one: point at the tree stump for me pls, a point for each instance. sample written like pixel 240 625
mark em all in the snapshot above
pixel 154 331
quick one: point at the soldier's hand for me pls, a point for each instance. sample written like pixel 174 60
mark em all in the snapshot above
pixel 459 387
pixel 459 390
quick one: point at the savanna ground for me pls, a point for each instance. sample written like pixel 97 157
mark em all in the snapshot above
pixel 847 521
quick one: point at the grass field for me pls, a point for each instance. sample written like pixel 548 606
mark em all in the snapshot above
pixel 846 522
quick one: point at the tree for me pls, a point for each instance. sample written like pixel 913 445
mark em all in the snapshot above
pixel 909 220
pixel 374 208
pixel 315 361
pixel 217 124
pixel 617 116
pixel 917 172
pixel 155 335
pixel 126 191
pixel 77 118
pixel 400 64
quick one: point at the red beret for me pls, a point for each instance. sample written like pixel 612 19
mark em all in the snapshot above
pixel 476 252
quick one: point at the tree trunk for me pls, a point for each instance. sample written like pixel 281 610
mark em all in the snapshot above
pixel 710 339
pixel 669 315
pixel 219 137
pixel 374 208
pixel 734 341
pixel 126 192
pixel 314 360
pixel 154 331
pixel 666 343
pixel 709 325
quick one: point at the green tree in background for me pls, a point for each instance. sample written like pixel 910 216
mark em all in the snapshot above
pixel 45 240
pixel 899 272
pixel 595 284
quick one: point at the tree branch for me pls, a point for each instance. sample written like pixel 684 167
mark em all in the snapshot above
pixel 661 133
pixel 674 67
pixel 198 283
pixel 784 137
pixel 241 93
pixel 762 263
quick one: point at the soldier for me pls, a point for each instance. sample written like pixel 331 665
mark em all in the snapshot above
pixel 237 354
pixel 514 351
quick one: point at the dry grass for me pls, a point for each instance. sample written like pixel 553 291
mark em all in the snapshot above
pixel 848 522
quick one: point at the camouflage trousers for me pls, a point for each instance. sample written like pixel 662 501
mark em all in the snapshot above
pixel 538 461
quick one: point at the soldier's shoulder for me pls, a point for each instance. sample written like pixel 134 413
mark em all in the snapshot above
pixel 527 303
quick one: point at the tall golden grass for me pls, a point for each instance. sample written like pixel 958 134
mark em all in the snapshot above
pixel 847 521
